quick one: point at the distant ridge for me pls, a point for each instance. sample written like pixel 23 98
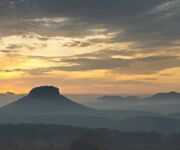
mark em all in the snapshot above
pixel 167 102
pixel 166 96
pixel 159 96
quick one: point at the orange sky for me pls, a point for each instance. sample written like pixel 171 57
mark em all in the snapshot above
pixel 48 65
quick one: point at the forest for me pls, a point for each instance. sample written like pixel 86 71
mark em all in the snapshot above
pixel 55 137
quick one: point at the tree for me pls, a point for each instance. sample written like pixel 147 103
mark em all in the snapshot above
pixel 86 143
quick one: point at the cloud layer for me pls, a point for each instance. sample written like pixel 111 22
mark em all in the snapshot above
pixel 138 39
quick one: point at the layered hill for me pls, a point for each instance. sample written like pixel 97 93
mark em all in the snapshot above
pixel 160 103
pixel 159 96
pixel 171 96
pixel 46 105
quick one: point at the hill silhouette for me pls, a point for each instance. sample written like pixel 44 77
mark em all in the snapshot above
pixel 44 92
pixel 166 96
pixel 43 100
pixel 46 105
pixel 168 102
pixel 158 96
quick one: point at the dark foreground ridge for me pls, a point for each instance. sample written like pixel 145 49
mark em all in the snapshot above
pixel 54 137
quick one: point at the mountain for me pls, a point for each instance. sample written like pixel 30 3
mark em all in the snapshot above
pixel 165 96
pixel 159 103
pixel 159 96
pixel 46 105
pixel 41 101
pixel 9 97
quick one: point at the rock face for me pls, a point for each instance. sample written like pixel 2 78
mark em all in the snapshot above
pixel 44 92
pixel 44 100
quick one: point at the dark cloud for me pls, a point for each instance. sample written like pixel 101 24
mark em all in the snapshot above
pixel 147 23
pixel 14 46
pixel 142 65
pixel 9 51
pixel 18 47
pixel 71 8
pixel 106 53
pixel 77 44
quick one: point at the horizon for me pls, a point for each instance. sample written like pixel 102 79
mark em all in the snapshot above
pixel 112 94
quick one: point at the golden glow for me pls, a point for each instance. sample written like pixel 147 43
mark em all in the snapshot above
pixel 26 61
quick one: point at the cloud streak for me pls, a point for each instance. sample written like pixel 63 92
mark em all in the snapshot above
pixel 108 60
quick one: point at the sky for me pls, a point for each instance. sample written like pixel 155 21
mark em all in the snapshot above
pixel 90 46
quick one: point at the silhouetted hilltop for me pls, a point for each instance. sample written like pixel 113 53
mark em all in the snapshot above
pixel 166 96
pixel 44 92
pixel 44 100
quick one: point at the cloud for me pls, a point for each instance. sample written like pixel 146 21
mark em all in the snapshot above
pixel 20 46
pixel 147 23
pixel 14 46
pixel 77 44
pixel 9 51
pixel 121 62
pixel 142 65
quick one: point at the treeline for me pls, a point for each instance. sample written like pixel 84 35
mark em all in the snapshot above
pixel 54 137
